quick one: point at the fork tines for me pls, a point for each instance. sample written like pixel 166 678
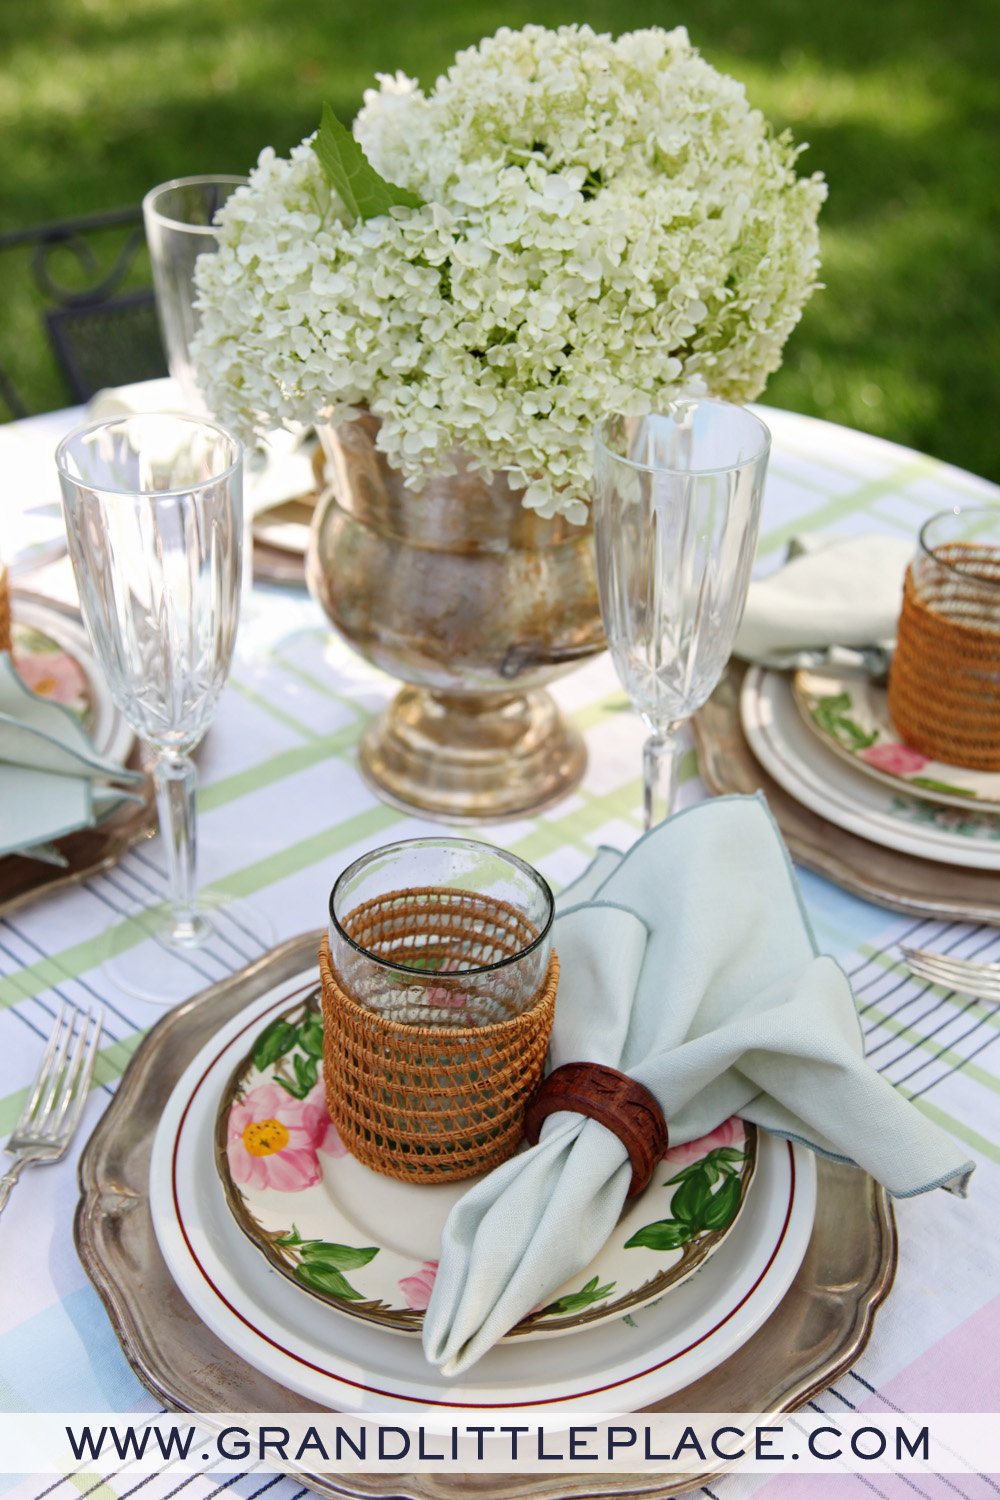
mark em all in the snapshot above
pixel 60 1087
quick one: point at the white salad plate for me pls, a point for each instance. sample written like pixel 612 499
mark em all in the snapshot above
pixel 818 778
pixel 350 1365
pixel 103 720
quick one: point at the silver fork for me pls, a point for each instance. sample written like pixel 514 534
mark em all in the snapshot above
pixel 980 980
pixel 57 1096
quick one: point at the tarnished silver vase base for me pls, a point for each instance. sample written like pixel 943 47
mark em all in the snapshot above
pixel 472 757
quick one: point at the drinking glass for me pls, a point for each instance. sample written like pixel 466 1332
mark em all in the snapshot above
pixel 944 683
pixel 957 564
pixel 676 513
pixel 178 216
pixel 442 932
pixel 153 510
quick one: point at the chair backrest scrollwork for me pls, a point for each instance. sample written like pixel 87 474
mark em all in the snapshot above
pixel 100 335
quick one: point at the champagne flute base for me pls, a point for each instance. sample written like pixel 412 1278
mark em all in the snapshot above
pixel 146 958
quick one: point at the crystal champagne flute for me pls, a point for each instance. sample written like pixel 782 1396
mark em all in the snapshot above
pixel 676 513
pixel 153 509
pixel 178 218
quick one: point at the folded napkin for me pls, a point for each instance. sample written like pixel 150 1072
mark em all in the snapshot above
pixel 52 780
pixel 836 600
pixel 689 964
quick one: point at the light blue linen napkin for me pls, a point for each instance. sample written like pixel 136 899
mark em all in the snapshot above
pixel 52 780
pixel 835 602
pixel 689 964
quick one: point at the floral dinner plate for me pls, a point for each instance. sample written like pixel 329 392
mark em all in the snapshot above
pixel 53 656
pixel 367 1244
pixel 824 782
pixel 51 671
pixel 851 715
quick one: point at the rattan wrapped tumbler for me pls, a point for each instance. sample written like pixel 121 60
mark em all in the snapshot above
pixel 944 686
pixel 434 1103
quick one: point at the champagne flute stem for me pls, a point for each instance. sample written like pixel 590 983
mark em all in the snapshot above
pixel 174 781
pixel 659 775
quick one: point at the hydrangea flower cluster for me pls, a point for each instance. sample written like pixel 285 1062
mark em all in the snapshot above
pixel 605 223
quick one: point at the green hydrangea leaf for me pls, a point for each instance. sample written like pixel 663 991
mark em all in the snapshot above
pixel 364 193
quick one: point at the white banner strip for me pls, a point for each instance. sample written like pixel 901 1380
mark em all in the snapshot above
pixel 435 1441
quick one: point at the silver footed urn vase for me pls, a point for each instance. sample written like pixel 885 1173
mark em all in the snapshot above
pixel 475 603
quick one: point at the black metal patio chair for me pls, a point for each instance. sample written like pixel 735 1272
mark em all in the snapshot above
pixel 100 336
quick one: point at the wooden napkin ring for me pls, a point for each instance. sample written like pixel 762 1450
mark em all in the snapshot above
pixel 615 1101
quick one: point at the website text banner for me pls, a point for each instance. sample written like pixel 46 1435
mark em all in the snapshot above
pixel 500 1442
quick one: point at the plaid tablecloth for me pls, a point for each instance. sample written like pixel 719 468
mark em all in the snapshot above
pixel 283 809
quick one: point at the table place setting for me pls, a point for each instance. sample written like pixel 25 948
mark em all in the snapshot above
pixel 870 714
pixel 631 764
pixel 817 711
pixel 248 1171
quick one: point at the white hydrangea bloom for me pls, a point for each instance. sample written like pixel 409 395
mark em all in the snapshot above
pixel 605 223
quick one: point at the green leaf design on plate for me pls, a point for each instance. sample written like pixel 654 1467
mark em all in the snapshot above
pixel 941 786
pixel 306 1074
pixel 665 1234
pixel 832 714
pixel 575 1302
pixel 322 1264
pixel 723 1206
pixel 274 1042
pixel 722 1159
pixel 311 1036
pixel 341 1257
pixel 695 1207
pixel 364 193
pixel 27 638
pixel 292 1238
pixel 321 1277
pixel 305 1070
pixel 691 1198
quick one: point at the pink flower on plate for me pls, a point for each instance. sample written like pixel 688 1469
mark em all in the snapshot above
pixel 897 760
pixel 316 1119
pixel 272 1141
pixel 441 996
pixel 51 674
pixel 417 1288
pixel 729 1133
pixel 446 999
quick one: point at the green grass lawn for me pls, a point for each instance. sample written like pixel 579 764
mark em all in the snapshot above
pixel 898 99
